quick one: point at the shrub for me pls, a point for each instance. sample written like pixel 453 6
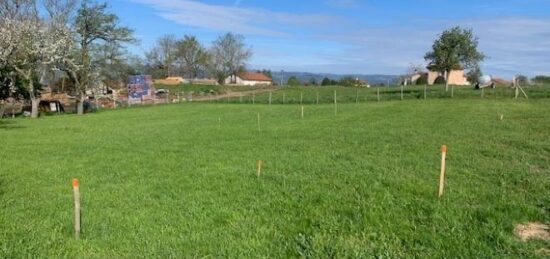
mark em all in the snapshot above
pixel 422 80
pixel 440 80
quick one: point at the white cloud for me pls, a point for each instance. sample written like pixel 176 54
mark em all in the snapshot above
pixel 513 45
pixel 234 18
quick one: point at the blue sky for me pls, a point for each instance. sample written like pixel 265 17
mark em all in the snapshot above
pixel 352 36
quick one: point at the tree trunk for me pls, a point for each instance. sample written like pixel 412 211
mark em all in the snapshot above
pixel 34 104
pixel 35 101
pixel 447 75
pixel 80 104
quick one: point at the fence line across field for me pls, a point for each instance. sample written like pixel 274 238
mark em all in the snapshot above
pixel 306 96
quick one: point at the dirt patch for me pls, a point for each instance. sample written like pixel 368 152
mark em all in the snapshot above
pixel 533 230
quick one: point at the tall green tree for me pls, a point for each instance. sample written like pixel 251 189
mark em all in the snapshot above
pixel 455 48
pixel 94 23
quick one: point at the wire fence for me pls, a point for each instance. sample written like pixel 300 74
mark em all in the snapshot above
pixel 295 95
pixel 317 95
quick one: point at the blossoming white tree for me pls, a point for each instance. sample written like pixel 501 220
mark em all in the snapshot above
pixel 32 45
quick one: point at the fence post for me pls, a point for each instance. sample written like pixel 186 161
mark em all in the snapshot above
pixel 335 104
pixel 259 125
pixel 76 196
pixel 442 174
pixel 402 92
pixel 317 97
pixel 270 93
pixel 425 90
pixel 254 97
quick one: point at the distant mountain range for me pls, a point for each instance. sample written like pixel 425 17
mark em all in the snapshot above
pixel 306 77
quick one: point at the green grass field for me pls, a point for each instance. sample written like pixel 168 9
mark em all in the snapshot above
pixel 180 181
pixel 314 95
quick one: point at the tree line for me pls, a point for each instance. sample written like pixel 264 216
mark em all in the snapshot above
pixel 188 57
pixel 43 39
pixel 82 41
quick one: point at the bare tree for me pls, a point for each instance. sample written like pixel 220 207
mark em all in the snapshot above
pixel 229 55
pixel 163 54
pixel 191 56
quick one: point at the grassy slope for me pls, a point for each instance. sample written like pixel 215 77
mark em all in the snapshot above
pixel 167 182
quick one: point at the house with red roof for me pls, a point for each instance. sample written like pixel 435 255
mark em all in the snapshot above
pixel 249 78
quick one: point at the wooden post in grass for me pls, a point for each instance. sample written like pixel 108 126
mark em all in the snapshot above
pixel 442 175
pixel 425 91
pixel 402 92
pixel 317 97
pixel 259 125
pixel 259 167
pixel 76 196
pixel 302 111
pixel 378 94
pixel 335 104
pixel 270 94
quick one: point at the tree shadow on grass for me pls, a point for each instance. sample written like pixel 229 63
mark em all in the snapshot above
pixel 9 125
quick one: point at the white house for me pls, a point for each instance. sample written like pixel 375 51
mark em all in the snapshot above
pixel 249 78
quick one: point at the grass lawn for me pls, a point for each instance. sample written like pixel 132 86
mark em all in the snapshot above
pixel 171 181
pixel 325 95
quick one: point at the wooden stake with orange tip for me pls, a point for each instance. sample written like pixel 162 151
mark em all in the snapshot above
pixel 76 195
pixel 442 175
